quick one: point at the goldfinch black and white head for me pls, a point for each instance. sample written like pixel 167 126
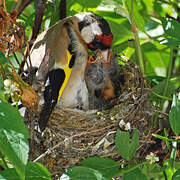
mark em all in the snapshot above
pixel 96 32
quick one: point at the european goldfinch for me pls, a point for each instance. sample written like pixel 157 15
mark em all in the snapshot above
pixel 61 56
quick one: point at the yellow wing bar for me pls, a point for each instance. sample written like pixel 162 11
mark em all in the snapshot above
pixel 67 71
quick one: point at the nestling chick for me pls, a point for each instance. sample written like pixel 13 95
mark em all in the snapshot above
pixel 98 78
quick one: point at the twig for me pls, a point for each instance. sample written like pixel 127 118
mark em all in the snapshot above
pixel 40 6
pixel 62 7
pixel 23 5
pixel 16 59
pixel 1 3
pixel 161 112
pixel 70 138
pixel 5 6
pixel 2 71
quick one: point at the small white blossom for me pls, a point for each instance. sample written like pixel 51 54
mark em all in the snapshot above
pixel 174 144
pixel 7 82
pixel 128 126
pixel 11 89
pixel 152 158
pixel 99 113
pixel 64 177
pixel 125 126
pixel 122 123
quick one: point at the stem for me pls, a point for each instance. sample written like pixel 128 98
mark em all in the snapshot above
pixel 2 157
pixel 124 171
pixel 136 37
pixel 162 97
pixel 168 75
pixel 137 42
pixel 2 71
pixel 148 171
pixel 167 142
pixel 5 6
pixel 165 138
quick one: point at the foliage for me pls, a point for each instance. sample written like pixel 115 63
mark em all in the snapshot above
pixel 174 116
pixel 146 32
pixel 14 145
pixel 124 147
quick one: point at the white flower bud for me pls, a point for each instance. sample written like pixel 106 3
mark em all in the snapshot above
pixel 7 83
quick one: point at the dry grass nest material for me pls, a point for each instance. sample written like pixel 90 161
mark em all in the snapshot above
pixel 74 135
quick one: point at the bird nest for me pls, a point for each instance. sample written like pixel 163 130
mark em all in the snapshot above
pixel 72 135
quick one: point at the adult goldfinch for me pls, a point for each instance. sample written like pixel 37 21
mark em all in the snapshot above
pixel 61 56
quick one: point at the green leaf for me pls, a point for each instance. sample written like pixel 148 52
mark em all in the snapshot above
pixel 9 174
pixel 172 31
pixel 88 4
pixel 12 120
pixel 154 80
pixel 171 27
pixel 168 170
pixel 36 171
pixel 149 5
pixel 174 84
pixel 155 171
pixel 174 115
pixel 3 59
pixel 139 20
pixel 170 42
pixel 82 173
pixel 173 155
pixel 13 137
pixel 157 58
pixel 136 174
pixel 176 175
pixel 125 146
pixel 107 167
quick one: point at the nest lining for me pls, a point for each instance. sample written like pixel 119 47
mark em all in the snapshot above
pixel 73 135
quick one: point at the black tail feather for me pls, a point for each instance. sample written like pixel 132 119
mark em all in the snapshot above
pixel 53 83
pixel 45 115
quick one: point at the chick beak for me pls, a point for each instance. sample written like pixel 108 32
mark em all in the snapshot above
pixel 106 54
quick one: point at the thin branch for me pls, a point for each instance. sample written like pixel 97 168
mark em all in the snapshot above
pixel 40 6
pixel 1 3
pixel 14 54
pixel 62 7
pixel 2 71
pixel 23 5
pixel 5 6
